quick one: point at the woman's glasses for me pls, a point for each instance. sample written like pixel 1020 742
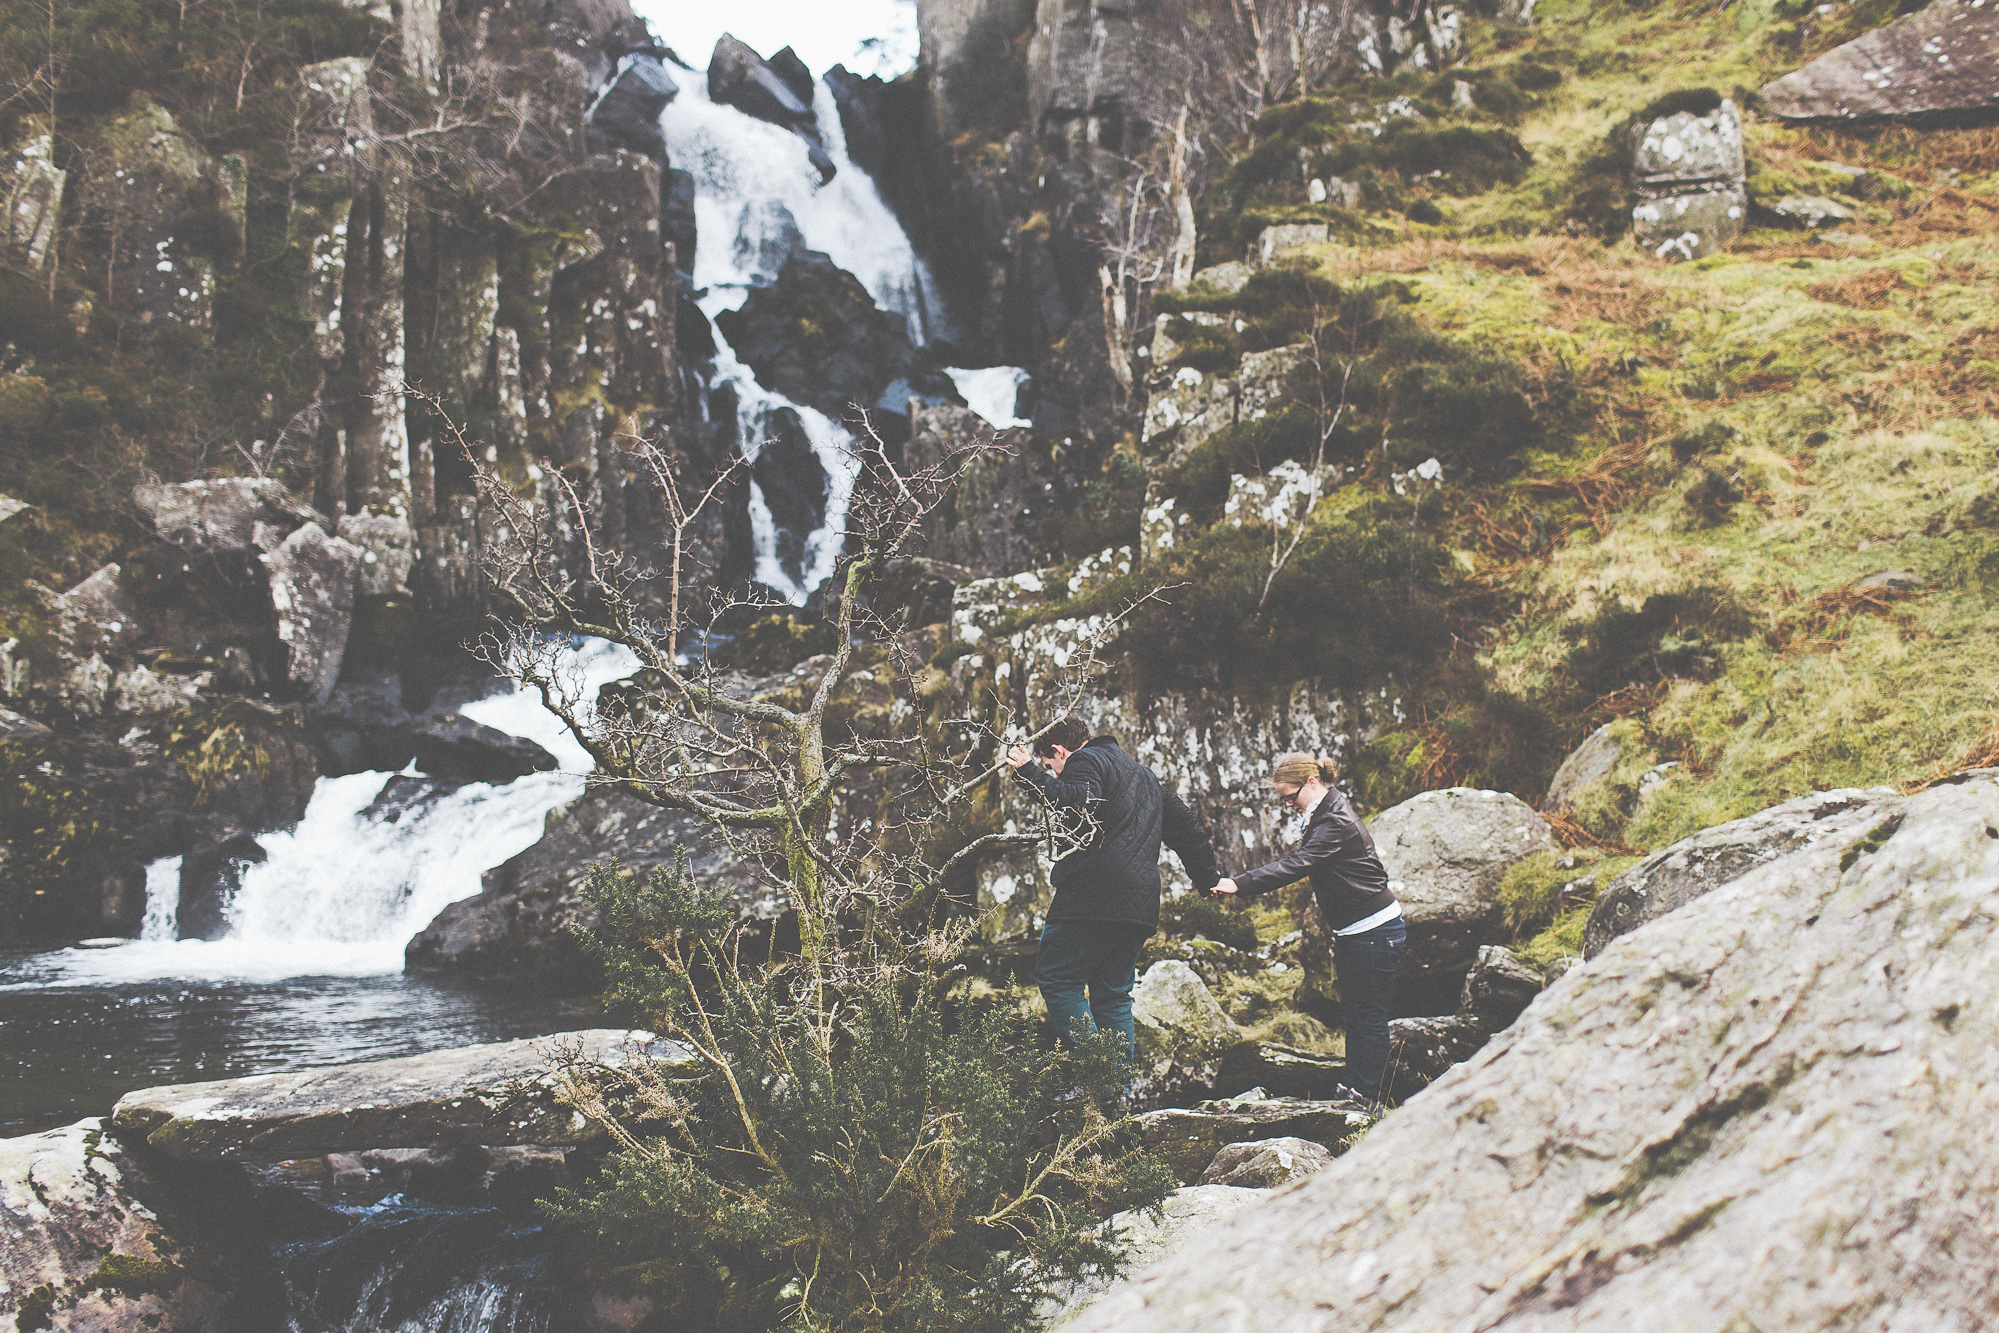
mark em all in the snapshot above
pixel 1288 800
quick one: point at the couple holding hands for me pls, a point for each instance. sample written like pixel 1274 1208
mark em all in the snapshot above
pixel 1107 891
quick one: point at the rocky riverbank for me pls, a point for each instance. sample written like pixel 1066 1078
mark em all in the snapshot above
pixel 1746 1012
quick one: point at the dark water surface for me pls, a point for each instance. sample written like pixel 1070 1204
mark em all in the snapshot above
pixel 71 1052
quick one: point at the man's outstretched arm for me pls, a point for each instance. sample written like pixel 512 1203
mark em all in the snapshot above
pixel 1183 831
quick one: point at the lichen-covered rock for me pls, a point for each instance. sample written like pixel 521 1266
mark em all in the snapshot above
pixel 1281 497
pixel 516 928
pixel 1225 279
pixel 1699 864
pixel 987 524
pixel 1146 1237
pixel 1268 381
pixel 312 592
pixel 1942 60
pixel 1445 853
pixel 1185 408
pixel 1690 226
pixel 495 1095
pixel 1266 1163
pixel 387 544
pixel 1182 1030
pixel 1688 174
pixel 82 1247
pixel 150 175
pixel 219 516
pixel 1812 210
pixel 1772 1108
pixel 1275 242
pixel 31 202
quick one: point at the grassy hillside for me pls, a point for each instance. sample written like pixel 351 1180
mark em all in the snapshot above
pixel 1726 450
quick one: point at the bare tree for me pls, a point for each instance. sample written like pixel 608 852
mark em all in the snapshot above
pixel 1335 349
pixel 766 763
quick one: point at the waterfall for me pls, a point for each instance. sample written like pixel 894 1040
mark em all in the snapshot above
pixel 370 864
pixel 757 198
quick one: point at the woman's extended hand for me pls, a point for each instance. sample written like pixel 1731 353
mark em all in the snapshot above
pixel 1223 886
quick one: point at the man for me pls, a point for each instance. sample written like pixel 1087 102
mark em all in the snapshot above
pixel 1107 891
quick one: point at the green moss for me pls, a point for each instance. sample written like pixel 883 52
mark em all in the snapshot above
pixel 232 744
pixel 37 1307
pixel 1562 939
pixel 1538 890
pixel 130 1275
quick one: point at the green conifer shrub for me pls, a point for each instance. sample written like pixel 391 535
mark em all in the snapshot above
pixel 853 1154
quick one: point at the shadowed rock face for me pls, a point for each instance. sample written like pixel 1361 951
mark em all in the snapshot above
pixel 816 337
pixel 1940 63
pixel 494 1095
pixel 1771 1108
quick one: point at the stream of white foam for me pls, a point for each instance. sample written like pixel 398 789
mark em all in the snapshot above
pixel 343 892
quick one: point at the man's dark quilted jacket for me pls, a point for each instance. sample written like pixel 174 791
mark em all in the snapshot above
pixel 1116 877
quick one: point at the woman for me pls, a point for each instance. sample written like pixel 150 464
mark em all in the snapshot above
pixel 1355 900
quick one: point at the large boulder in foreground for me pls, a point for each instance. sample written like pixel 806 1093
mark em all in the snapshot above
pixel 1772 1109
pixel 517 927
pixel 80 1249
pixel 1693 866
pixel 1446 852
pixel 1941 62
pixel 497 1095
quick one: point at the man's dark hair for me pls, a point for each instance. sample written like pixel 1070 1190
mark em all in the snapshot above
pixel 1071 733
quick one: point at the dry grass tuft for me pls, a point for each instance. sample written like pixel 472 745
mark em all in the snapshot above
pixel 1823 623
pixel 1981 753
pixel 1573 835
pixel 1867 290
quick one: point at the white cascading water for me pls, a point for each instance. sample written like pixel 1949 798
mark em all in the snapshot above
pixel 343 892
pixel 757 196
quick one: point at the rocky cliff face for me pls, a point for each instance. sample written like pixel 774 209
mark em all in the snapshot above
pixel 401 234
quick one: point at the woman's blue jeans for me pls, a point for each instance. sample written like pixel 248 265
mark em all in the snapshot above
pixel 1365 966
pixel 1097 959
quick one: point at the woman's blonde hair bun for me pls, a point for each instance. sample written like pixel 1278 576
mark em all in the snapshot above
pixel 1298 768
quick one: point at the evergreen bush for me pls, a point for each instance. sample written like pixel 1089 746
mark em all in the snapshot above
pixel 853 1153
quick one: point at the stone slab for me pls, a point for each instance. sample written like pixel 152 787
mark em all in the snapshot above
pixel 495 1095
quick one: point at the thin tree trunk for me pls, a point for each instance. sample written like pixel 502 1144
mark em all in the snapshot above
pixel 1183 208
